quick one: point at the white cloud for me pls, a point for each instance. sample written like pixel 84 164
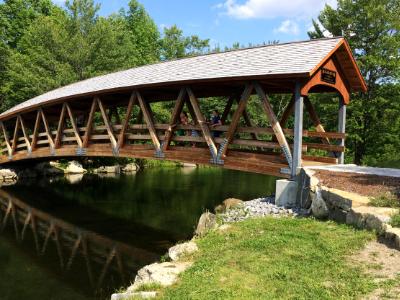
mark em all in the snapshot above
pixel 288 27
pixel 268 9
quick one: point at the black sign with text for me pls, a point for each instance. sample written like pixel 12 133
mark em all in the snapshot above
pixel 328 76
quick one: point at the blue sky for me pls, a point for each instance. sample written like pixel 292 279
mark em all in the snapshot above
pixel 227 21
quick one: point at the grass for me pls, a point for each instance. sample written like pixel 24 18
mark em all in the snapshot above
pixel 395 220
pixel 276 259
pixel 385 200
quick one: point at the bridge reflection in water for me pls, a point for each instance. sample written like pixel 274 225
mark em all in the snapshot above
pixel 103 257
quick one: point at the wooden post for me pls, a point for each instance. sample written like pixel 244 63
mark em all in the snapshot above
pixel 60 127
pixel 48 131
pixel 74 126
pixel 298 130
pixel 235 120
pixel 109 128
pixel 150 124
pixel 15 137
pixel 276 127
pixel 89 124
pixel 342 126
pixel 35 131
pixel 121 138
pixel 174 118
pixel 203 124
pixel 227 109
pixel 26 138
pixel 6 139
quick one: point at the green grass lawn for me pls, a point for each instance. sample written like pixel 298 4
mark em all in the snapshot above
pixel 276 259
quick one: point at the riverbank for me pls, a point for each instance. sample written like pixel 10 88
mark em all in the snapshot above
pixel 285 258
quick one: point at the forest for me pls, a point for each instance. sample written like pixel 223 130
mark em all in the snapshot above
pixel 44 46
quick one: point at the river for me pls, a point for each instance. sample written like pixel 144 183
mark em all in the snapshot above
pixel 101 229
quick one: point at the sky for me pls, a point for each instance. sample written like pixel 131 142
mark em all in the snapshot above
pixel 225 22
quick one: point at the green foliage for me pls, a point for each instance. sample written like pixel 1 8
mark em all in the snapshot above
pixel 395 220
pixel 385 200
pixel 175 45
pixel 256 259
pixel 372 27
pixel 45 47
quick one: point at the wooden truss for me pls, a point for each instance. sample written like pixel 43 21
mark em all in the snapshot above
pixel 228 148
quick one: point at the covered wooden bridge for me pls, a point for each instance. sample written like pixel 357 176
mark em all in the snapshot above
pixel 112 115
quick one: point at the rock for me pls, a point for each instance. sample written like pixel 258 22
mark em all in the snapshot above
pixel 183 249
pixel 7 175
pixel 228 204
pixel 74 167
pixel 318 205
pixel 189 165
pixel 130 168
pixel 207 222
pixel 133 295
pixel 108 169
pixel 164 274
pixel 232 203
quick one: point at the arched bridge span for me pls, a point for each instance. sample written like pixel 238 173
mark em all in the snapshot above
pixel 112 115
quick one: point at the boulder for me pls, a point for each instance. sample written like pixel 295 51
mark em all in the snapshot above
pixel 74 167
pixel 164 274
pixel 108 169
pixel 207 222
pixel 130 168
pixel 318 205
pixel 183 249
pixel 228 204
pixel 8 175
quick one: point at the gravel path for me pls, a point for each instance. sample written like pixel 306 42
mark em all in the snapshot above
pixel 260 207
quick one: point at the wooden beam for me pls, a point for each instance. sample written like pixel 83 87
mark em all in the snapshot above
pixel 47 129
pixel 6 139
pixel 110 131
pixel 228 108
pixel 89 124
pixel 276 127
pixel 60 127
pixel 15 137
pixel 247 121
pixel 203 124
pixel 315 119
pixel 74 126
pixel 235 119
pixel 174 118
pixel 131 103
pixel 26 137
pixel 35 131
pixel 149 121
pixel 191 111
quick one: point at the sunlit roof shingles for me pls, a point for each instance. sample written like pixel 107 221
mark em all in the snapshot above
pixel 289 58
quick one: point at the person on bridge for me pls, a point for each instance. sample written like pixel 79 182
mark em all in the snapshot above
pixel 215 121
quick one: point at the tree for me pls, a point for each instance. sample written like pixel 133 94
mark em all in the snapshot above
pixel 175 45
pixel 372 27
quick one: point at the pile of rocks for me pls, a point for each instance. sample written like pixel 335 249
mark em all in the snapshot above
pixel 260 207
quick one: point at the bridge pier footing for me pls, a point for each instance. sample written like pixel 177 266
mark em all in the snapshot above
pixel 286 193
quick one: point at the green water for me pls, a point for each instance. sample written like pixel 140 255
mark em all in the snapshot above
pixel 150 210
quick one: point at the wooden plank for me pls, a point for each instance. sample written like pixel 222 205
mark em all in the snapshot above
pixel 60 126
pixel 334 148
pixel 15 137
pixel 315 119
pixel 74 126
pixel 35 133
pixel 107 124
pixel 132 102
pixel 149 121
pixel 228 108
pixel 89 124
pixel 203 123
pixel 274 123
pixel 26 138
pixel 236 117
pixel 47 129
pixel 6 139
pixel 174 118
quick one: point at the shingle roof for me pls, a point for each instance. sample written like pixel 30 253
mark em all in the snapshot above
pixel 289 58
